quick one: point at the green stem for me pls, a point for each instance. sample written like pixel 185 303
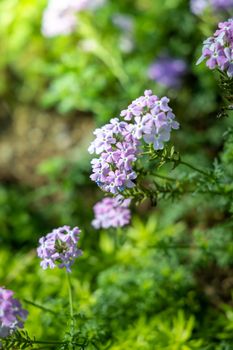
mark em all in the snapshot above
pixel 49 342
pixel 184 246
pixel 184 191
pixel 194 168
pixel 164 177
pixel 71 306
pixel 40 307
pixel 104 53
pixel 150 173
pixel 186 164
pixel 119 237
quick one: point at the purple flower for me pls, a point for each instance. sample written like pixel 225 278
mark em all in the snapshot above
pixel 156 120
pixel 117 149
pixel 59 248
pixel 126 158
pixel 161 106
pixel 157 138
pixel 168 71
pixel 12 316
pixel 133 110
pixel 111 212
pixel 171 121
pixel 147 119
pixel 142 126
pixel 218 49
pixel 103 141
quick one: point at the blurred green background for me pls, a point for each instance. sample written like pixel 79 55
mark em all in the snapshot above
pixel 164 282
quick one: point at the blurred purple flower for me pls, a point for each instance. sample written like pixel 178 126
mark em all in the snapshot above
pixel 111 212
pixel 168 71
pixel 12 315
pixel 122 21
pixel 59 248
pixel 199 6
pixel 222 4
pixel 59 18
pixel 125 24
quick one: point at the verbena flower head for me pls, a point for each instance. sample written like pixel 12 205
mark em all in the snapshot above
pixel 117 149
pixel 147 119
pixel 218 49
pixel 12 315
pixel 111 212
pixel 168 71
pixel 59 17
pixel 59 248
pixel 199 6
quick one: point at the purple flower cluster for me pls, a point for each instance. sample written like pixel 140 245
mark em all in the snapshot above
pixel 12 316
pixel 111 212
pixel 168 71
pixel 222 4
pixel 118 148
pixel 218 49
pixel 199 6
pixel 152 119
pixel 147 119
pixel 60 15
pixel 59 248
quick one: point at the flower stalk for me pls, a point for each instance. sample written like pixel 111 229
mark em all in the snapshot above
pixel 70 293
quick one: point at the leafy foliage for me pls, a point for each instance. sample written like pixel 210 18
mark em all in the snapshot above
pixel 166 280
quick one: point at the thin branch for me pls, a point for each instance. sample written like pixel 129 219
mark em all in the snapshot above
pixel 194 168
pixel 41 307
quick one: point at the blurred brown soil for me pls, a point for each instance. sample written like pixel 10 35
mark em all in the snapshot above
pixel 29 137
pixel 216 283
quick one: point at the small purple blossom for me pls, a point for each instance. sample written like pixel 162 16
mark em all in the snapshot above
pixel 147 119
pixel 168 71
pixel 111 212
pixel 12 315
pixel 59 248
pixel 218 49
pixel 157 138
